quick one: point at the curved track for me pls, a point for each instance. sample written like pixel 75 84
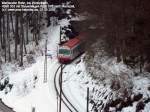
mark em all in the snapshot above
pixel 5 108
pixel 65 100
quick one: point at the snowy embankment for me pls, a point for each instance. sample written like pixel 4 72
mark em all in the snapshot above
pixel 28 90
pixel 102 96
pixel 73 85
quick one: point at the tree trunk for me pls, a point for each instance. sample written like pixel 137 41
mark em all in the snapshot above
pixel 24 43
pixel 141 63
pixel 12 23
pixel 8 37
pixel 36 29
pixel 27 32
pixel 39 14
pixel 16 35
pixel 4 37
pixel 1 36
pixel 21 41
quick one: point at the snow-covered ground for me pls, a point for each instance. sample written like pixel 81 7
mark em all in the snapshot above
pixel 73 85
pixel 28 90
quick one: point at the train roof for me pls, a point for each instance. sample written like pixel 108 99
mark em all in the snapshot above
pixel 72 42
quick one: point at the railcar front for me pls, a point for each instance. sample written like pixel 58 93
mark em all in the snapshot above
pixel 64 54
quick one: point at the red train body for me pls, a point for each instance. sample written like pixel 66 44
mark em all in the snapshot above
pixel 70 50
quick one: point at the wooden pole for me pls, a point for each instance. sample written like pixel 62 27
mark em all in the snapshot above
pixel 87 109
pixel 33 109
pixel 60 35
pixel 45 63
pixel 60 90
pixel 57 103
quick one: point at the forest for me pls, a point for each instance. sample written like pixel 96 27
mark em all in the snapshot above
pixel 14 36
pixel 124 25
pixel 18 29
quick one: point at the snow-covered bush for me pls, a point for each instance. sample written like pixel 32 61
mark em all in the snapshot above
pixel 8 88
pixel 30 59
pixel 5 85
pixel 2 86
pixel 35 79
pixel 106 70
pixel 147 67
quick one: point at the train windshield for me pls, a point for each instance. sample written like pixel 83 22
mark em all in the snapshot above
pixel 64 51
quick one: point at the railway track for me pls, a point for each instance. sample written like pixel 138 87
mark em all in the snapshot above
pixel 5 108
pixel 65 100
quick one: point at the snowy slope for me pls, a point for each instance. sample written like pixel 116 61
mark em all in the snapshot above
pixel 29 91
pixel 73 85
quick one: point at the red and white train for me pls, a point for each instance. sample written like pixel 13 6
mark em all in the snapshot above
pixel 69 50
